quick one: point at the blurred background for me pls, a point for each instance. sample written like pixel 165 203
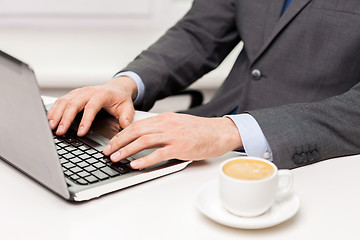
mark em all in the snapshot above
pixel 76 43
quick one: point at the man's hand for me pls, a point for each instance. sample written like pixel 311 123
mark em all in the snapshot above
pixel 115 97
pixel 177 136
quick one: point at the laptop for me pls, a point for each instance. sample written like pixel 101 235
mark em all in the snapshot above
pixel 72 167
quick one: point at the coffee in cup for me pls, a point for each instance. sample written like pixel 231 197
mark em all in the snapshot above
pixel 250 185
pixel 248 169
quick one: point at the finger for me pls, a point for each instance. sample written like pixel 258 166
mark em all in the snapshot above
pixel 62 102
pixel 67 118
pixel 90 110
pixel 153 158
pixel 142 143
pixel 55 113
pixel 126 114
pixel 52 109
pixel 128 135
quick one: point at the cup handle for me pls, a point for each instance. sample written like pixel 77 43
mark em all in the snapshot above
pixel 285 184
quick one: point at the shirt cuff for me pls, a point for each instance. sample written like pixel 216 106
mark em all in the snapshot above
pixel 139 83
pixel 254 141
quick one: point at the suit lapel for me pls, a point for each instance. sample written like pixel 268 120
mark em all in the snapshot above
pixel 280 23
pixel 274 13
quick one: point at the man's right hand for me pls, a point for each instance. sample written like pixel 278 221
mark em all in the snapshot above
pixel 115 96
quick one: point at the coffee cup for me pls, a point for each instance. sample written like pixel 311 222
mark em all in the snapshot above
pixel 250 185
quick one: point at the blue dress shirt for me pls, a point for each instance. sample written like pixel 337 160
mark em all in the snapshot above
pixel 287 3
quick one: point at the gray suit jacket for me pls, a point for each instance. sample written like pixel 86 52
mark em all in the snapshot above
pixel 298 73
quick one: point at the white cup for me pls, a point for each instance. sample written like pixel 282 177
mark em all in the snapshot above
pixel 250 198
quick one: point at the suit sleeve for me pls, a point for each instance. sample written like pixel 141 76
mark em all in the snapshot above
pixel 198 43
pixel 305 133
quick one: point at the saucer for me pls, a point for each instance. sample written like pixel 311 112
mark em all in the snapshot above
pixel 209 203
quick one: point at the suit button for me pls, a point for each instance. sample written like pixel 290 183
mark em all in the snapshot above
pixel 256 74
pixel 304 158
pixel 297 159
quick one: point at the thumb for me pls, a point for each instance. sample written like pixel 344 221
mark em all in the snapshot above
pixel 126 114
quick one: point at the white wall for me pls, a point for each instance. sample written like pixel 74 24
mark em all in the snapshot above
pixel 139 14
pixel 70 7
pixel 73 43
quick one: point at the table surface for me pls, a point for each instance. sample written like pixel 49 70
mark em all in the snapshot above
pixel 165 208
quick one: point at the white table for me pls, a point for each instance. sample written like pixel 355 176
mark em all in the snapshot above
pixel 164 208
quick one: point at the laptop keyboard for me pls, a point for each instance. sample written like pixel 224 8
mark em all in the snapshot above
pixel 84 164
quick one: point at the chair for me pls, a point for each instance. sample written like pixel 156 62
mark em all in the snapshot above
pixel 196 96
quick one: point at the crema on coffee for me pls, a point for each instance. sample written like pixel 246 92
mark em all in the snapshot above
pixel 248 169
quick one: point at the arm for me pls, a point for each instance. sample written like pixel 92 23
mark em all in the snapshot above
pixel 306 133
pixel 174 135
pixel 298 134
pixel 195 45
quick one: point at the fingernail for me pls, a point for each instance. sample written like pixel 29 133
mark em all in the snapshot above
pixel 134 164
pixel 115 156
pixel 51 123
pixel 81 130
pixel 107 149
pixel 60 128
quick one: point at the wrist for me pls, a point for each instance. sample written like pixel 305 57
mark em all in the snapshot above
pixel 126 83
pixel 231 134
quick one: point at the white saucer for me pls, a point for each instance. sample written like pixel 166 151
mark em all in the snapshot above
pixel 208 202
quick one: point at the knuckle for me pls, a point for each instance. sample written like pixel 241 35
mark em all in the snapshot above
pixel 82 91
pixel 101 92
pixel 162 153
pixel 115 137
pixel 113 145
pixel 167 115
pixel 145 140
pixel 86 89
pixel 170 114
pixel 136 127
pixel 71 103
pixel 61 101
pixel 168 118
pixel 64 124
pixel 125 151
pixel 75 91
pixel 90 105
